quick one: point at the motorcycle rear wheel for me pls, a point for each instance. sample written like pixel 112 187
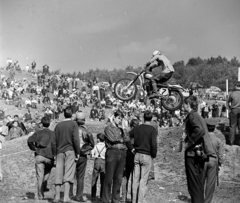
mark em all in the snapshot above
pixel 123 91
pixel 174 101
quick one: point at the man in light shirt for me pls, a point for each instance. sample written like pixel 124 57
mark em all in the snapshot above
pixel 158 60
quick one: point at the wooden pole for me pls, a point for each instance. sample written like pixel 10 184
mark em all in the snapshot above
pixel 238 74
pixel 227 94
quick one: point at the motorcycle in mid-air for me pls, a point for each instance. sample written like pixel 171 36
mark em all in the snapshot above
pixel 170 96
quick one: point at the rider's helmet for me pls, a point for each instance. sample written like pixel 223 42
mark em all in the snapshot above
pixel 156 53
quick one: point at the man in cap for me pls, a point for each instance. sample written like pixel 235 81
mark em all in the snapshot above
pixel 86 145
pixel 213 163
pixel 234 106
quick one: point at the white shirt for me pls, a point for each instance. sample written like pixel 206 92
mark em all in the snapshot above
pixel 99 148
pixel 95 87
pixel 167 64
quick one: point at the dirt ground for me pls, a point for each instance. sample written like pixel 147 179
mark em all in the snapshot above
pixel 19 180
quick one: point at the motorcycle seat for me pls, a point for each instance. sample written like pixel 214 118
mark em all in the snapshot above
pixel 178 86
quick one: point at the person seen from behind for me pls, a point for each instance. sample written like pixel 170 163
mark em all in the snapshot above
pixel 98 153
pixel 129 166
pixel 233 104
pixel 40 143
pixel 213 163
pixel 145 148
pixel 66 149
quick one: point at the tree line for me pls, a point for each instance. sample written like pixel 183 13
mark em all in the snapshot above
pixel 207 72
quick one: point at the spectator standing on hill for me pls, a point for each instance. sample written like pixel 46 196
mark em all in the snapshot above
pixel 66 148
pixel 98 153
pixel 116 142
pixel 234 105
pixel 199 148
pixel 213 163
pixel 206 110
pixel 40 143
pixel 86 145
pixel 94 113
pixel 145 148
pixel 129 166
pixel 215 110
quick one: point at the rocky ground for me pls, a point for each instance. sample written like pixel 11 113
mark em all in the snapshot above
pixel 19 182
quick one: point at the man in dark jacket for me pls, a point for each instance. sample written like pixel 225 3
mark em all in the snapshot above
pixel 40 143
pixel 86 145
pixel 233 104
pixel 145 147
pixel 213 163
pixel 198 149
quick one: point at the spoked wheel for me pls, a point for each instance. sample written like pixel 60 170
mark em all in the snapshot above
pixel 125 90
pixel 174 101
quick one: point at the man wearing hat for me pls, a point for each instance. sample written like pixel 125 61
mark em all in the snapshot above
pixel 213 163
pixel 233 104
pixel 86 145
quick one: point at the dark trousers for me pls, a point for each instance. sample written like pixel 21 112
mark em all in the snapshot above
pixel 210 175
pixel 128 171
pixel 234 121
pixel 161 78
pixel 194 172
pixel 98 169
pixel 80 172
pixel 115 161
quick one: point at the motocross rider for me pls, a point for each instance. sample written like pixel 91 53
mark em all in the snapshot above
pixel 158 60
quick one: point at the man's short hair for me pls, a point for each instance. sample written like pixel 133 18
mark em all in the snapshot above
pixel 45 121
pixel 118 113
pixel 68 112
pixel 147 116
pixel 15 116
pixel 134 122
pixel 211 128
pixel 101 137
pixel 192 101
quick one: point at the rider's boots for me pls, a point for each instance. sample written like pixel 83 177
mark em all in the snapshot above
pixel 154 86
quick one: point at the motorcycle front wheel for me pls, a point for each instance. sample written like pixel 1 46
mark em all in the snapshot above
pixel 125 90
pixel 174 101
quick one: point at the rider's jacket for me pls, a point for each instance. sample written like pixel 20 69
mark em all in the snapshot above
pixel 161 60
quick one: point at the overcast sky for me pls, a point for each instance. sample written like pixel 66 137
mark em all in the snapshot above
pixel 78 35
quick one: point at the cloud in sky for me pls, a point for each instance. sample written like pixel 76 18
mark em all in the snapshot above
pixel 164 45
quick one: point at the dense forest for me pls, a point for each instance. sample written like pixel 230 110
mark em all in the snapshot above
pixel 207 72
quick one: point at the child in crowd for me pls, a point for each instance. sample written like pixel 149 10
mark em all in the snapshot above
pixel 98 153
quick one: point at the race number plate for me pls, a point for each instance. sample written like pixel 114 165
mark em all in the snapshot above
pixel 164 91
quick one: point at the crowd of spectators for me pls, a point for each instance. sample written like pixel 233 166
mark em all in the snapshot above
pixel 119 152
